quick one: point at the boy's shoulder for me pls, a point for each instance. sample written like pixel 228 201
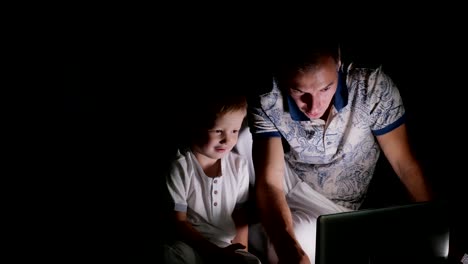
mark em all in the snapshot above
pixel 182 156
pixel 233 154
pixel 235 157
pixel 185 157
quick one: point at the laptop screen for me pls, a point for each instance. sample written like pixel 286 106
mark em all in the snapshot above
pixel 412 233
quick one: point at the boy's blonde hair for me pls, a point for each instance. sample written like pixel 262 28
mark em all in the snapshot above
pixel 210 108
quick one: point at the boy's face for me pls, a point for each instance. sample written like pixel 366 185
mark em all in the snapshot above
pixel 222 137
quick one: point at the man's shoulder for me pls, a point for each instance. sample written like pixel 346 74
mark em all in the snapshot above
pixel 361 70
pixel 369 78
pixel 265 97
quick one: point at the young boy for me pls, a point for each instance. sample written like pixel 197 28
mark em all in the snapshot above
pixel 208 185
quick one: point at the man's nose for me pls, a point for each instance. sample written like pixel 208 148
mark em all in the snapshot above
pixel 308 100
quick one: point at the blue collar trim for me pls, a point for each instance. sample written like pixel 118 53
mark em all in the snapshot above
pixel 340 100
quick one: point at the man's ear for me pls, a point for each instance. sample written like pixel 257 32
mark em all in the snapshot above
pixel 338 68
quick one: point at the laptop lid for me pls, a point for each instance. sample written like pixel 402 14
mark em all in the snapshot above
pixel 412 233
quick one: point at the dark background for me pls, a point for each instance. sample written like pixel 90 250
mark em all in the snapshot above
pixel 125 76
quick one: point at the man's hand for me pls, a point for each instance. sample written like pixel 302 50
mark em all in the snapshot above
pixel 299 259
pixel 293 254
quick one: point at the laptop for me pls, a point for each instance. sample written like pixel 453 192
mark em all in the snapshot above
pixel 410 233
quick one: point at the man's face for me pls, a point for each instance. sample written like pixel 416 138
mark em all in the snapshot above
pixel 313 89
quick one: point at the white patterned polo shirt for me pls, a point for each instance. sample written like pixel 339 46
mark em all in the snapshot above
pixel 337 160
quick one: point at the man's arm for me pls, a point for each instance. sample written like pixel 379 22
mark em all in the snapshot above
pixel 275 215
pixel 397 150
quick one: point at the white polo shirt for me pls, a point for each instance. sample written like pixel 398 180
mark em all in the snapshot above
pixel 337 160
pixel 209 202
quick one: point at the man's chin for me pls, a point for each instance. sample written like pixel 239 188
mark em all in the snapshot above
pixel 313 116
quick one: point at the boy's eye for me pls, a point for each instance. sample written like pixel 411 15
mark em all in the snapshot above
pixel 218 131
pixel 235 131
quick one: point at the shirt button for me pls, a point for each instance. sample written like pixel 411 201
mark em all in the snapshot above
pixel 215 192
pixel 215 181
pixel 215 204
pixel 328 143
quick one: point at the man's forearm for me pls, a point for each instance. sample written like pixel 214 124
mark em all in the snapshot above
pixel 416 184
pixel 275 216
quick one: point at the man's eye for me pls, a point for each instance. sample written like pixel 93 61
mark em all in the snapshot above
pixel 218 131
pixel 294 91
pixel 235 131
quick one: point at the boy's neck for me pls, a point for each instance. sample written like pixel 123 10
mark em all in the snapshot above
pixel 211 167
pixel 213 170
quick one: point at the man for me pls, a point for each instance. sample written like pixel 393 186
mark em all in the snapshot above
pixel 317 135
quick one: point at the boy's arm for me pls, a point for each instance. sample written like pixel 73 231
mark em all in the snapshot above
pixel 211 252
pixel 240 219
pixel 191 236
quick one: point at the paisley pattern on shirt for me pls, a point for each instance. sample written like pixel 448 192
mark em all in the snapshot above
pixel 338 161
